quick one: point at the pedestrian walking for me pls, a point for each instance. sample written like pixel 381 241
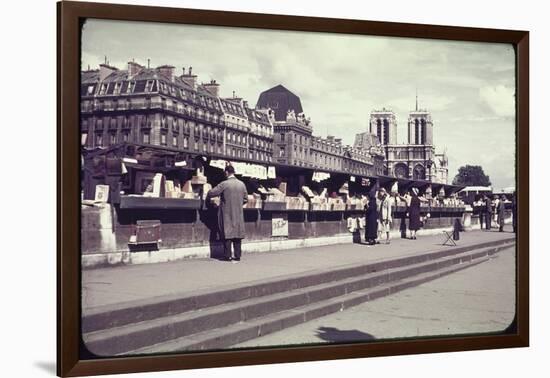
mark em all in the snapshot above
pixel 371 217
pixel 414 213
pixel 501 209
pixel 488 212
pixel 233 195
pixel 384 214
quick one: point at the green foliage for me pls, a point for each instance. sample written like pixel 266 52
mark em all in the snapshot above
pixel 471 175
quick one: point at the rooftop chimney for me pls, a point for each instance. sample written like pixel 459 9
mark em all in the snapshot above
pixel 189 78
pixel 105 70
pixel 167 71
pixel 133 69
pixel 213 88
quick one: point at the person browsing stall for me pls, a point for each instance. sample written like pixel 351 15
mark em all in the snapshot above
pixel 233 195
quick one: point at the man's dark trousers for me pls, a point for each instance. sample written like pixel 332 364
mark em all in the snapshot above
pixel 236 248
pixel 481 216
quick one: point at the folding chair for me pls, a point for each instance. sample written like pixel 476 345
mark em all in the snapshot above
pixel 449 238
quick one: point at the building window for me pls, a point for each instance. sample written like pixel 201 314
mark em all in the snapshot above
pixel 185 142
pixel 281 151
pixel 175 126
pixel 112 139
pixel 131 86
pixel 282 137
pixel 99 140
pixel 125 136
pixel 146 137
pixel 174 141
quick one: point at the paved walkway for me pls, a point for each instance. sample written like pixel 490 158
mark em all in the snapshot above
pixel 479 299
pixel 127 283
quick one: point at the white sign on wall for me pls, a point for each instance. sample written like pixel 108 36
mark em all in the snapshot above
pixel 279 226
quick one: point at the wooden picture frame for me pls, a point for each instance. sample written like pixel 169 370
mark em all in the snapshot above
pixel 69 361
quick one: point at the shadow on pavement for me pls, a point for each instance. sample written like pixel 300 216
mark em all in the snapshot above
pixel 336 335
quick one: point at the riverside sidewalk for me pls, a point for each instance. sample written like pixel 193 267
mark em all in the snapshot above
pixel 139 282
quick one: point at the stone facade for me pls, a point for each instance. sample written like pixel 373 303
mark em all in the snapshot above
pixel 155 106
pixel 417 158
pixel 295 144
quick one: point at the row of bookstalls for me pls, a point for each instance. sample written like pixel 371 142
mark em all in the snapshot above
pixel 156 186
pixel 139 176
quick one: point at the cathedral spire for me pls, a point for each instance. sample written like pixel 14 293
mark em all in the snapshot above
pixel 416 99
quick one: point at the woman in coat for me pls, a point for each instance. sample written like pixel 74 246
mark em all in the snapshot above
pixel 414 213
pixel 371 217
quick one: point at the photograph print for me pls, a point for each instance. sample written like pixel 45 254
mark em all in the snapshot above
pixel 250 188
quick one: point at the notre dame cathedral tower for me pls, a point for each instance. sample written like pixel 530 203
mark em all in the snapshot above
pixel 417 158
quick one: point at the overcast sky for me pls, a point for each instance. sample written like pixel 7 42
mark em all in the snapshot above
pixel 469 88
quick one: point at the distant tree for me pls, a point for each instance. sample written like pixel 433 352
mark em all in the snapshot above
pixel 471 175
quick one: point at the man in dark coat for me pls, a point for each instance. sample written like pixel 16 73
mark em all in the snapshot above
pixel 233 195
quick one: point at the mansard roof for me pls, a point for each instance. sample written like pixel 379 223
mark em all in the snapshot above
pixel 280 100
pixel 197 95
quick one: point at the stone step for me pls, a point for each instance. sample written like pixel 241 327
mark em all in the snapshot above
pixel 116 315
pixel 121 339
pixel 222 338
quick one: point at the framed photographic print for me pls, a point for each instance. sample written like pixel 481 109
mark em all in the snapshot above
pixel 238 188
